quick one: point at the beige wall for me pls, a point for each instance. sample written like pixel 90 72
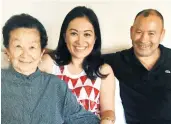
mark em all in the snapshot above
pixel 115 16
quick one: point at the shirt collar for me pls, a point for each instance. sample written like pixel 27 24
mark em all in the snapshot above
pixel 26 77
pixel 130 57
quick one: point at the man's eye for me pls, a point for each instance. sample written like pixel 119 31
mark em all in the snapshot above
pixel 138 32
pixel 151 34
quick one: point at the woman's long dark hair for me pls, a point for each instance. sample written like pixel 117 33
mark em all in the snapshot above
pixel 93 61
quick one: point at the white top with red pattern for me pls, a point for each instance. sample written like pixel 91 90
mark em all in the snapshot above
pixel 87 91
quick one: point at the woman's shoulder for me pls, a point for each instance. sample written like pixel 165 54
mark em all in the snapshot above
pixel 46 58
pixel 46 64
pixel 106 69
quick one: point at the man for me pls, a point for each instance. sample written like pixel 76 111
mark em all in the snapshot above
pixel 144 72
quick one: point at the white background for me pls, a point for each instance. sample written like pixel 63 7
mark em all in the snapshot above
pixel 115 17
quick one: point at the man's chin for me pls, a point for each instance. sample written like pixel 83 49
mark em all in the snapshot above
pixel 144 54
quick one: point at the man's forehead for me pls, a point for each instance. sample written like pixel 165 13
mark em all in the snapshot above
pixel 148 19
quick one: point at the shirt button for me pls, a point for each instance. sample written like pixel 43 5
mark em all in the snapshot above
pixel 145 79
pixel 145 82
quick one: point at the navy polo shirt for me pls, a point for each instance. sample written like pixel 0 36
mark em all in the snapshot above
pixel 146 95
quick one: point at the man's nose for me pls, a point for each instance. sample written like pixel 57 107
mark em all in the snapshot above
pixel 144 37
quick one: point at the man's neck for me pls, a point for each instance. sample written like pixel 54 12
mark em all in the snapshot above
pixel 149 61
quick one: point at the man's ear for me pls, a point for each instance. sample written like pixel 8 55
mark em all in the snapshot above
pixel 131 31
pixel 162 35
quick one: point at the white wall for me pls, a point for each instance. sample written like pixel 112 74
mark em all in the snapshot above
pixel 115 16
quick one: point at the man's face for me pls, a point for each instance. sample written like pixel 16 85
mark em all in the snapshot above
pixel 146 34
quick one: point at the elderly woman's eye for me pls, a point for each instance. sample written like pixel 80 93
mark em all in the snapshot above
pixel 32 47
pixel 151 33
pixel 18 46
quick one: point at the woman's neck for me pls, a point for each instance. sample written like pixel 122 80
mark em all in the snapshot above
pixel 75 66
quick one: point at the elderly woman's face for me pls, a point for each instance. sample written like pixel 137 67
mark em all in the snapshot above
pixel 24 50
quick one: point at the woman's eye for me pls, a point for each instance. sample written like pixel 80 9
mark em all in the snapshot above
pixel 73 33
pixel 87 35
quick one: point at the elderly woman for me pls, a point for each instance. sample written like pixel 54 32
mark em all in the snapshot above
pixel 30 96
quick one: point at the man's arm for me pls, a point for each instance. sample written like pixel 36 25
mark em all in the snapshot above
pixel 108 58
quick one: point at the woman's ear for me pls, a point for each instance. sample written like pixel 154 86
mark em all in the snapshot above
pixel 95 40
pixel 7 53
pixel 5 60
pixel 64 36
pixel 43 51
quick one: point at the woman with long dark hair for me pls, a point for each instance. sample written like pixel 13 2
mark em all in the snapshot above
pixel 77 60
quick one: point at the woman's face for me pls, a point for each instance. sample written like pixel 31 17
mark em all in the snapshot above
pixel 24 50
pixel 80 37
